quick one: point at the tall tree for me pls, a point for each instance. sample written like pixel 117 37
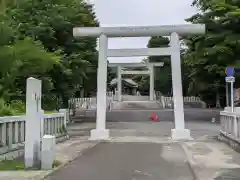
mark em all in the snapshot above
pixel 51 22
pixel 208 55
pixel 20 59
pixel 163 78
pixel 163 75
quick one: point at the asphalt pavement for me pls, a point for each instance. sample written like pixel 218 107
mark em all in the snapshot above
pixel 128 161
pixel 191 114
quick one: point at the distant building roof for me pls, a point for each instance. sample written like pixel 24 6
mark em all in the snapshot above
pixel 128 81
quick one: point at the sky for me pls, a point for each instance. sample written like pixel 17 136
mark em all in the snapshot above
pixel 139 13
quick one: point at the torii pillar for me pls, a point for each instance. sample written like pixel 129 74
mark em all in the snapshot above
pixel 149 71
pixel 179 132
pixel 101 132
pixel 152 80
pixel 119 83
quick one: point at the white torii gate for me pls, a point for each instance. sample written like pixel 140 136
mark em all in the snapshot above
pixel 121 72
pixel 179 132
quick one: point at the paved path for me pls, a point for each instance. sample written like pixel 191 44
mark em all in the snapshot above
pixel 141 151
pixel 152 158
pixel 192 114
pixel 128 161
pixel 65 152
pixel 156 130
pixel 213 160
pixel 164 115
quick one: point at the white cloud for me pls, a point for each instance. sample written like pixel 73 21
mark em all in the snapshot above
pixel 140 13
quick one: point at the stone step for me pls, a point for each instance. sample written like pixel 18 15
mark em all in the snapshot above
pixel 136 105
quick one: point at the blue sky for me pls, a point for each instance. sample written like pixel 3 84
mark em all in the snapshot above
pixel 139 13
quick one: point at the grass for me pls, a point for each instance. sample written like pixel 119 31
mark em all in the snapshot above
pixel 50 112
pixel 56 163
pixel 46 112
pixel 18 164
pixel 11 165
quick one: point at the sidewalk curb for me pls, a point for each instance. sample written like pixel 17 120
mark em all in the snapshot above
pixel 43 177
pixel 190 161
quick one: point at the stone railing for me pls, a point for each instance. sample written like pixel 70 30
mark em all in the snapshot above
pixel 88 103
pixel 230 128
pixel 110 93
pixel 84 103
pixel 138 93
pixel 230 125
pixel 157 94
pixel 12 129
pixel 167 102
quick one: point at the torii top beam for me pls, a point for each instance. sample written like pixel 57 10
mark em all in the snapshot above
pixel 135 64
pixel 140 31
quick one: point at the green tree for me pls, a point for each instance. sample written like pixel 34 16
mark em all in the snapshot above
pixel 20 59
pixel 51 22
pixel 163 77
pixel 208 55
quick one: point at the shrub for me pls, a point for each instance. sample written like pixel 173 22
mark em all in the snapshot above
pixel 18 106
pixel 5 109
pixel 50 102
pixel 15 107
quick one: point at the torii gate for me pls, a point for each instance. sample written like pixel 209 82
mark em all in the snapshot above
pixel 121 72
pixel 179 132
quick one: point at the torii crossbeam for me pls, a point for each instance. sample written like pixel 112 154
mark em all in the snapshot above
pixel 149 71
pixel 174 31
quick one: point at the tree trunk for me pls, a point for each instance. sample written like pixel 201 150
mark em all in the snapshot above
pixel 82 93
pixel 218 105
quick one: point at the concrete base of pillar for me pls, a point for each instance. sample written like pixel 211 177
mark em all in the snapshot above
pixel 181 134
pixel 99 134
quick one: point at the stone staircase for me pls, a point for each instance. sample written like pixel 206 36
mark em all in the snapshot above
pixel 136 105
pixel 135 98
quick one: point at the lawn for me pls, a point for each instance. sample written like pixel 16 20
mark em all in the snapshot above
pixel 18 164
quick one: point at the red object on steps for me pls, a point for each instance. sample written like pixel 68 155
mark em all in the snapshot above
pixel 154 117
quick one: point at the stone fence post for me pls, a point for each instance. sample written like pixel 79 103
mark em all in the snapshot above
pixel 66 116
pixel 33 123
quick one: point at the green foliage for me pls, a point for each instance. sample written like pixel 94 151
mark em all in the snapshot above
pixel 163 78
pixel 56 163
pixel 13 108
pixel 20 59
pixel 50 102
pixel 18 164
pixel 37 41
pixel 10 165
pixel 18 107
pixel 208 55
pixel 5 109
pixel 52 22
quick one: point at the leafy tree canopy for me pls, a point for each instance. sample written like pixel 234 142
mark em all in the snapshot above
pixel 38 41
pixel 210 54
